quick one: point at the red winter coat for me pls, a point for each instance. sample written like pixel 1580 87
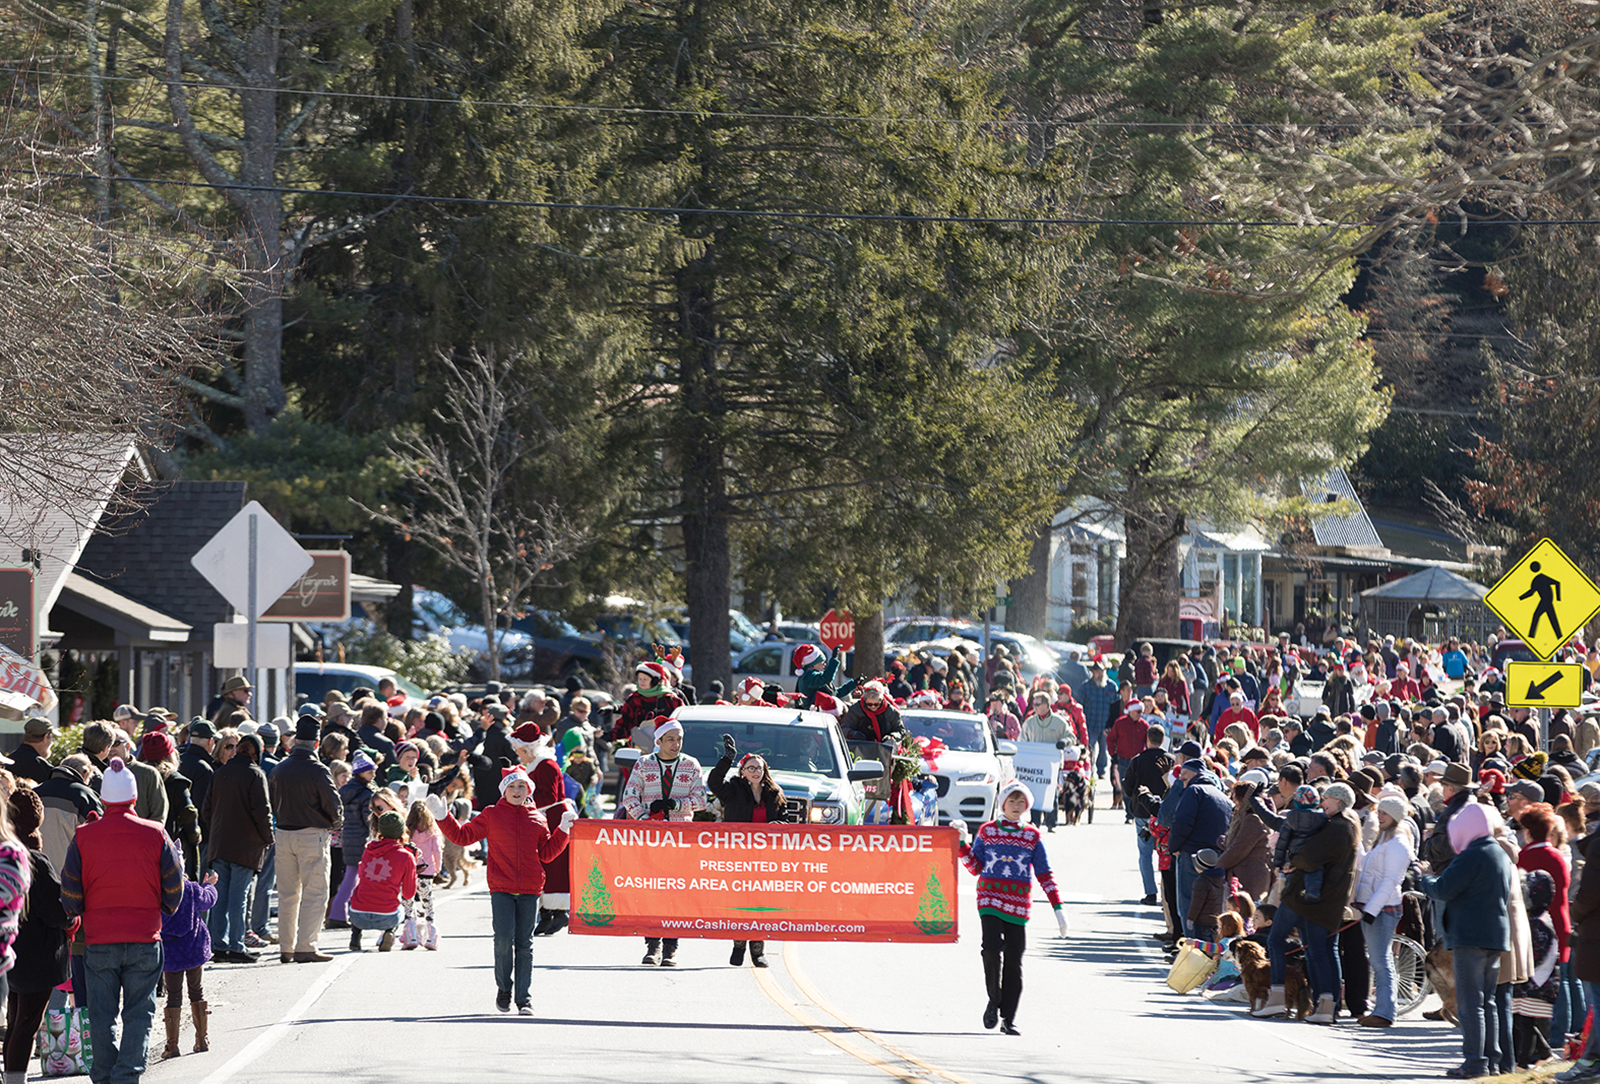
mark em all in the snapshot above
pixel 520 842
pixel 1072 712
pixel 387 874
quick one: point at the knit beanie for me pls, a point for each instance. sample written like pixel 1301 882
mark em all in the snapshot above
pixel 1531 766
pixel 1306 797
pixel 156 747
pixel 1342 792
pixel 27 814
pixel 118 783
pixel 391 825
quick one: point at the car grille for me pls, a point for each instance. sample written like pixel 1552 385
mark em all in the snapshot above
pixel 944 784
pixel 798 809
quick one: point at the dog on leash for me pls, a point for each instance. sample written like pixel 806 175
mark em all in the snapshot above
pixel 1442 976
pixel 1296 990
pixel 1254 970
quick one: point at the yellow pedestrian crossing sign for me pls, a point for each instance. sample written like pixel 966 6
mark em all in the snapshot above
pixel 1544 684
pixel 1545 600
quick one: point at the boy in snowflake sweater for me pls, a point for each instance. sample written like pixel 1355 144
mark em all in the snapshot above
pixel 1005 857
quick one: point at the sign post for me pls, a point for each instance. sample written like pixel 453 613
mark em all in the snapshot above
pixel 1544 599
pixel 17 611
pixel 837 630
pixel 1544 684
pixel 252 561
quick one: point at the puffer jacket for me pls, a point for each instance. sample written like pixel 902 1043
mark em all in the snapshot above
pixel 1382 871
pixel 355 798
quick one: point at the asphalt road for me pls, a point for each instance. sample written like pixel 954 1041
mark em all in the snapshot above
pixel 1094 1008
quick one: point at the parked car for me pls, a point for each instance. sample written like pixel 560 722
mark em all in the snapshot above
pixel 437 614
pixel 902 631
pixel 799 632
pixel 802 748
pixel 312 680
pixel 559 649
pixel 972 766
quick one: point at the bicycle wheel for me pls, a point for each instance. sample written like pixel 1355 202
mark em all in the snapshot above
pixel 1411 984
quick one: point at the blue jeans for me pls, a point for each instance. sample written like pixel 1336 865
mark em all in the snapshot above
pixel 1322 962
pixel 1477 974
pixel 1380 935
pixel 375 920
pixel 226 919
pixel 1571 1008
pixel 1591 994
pixel 1183 862
pixel 1097 742
pixel 1508 1051
pixel 125 974
pixel 1147 855
pixel 514 917
pixel 261 901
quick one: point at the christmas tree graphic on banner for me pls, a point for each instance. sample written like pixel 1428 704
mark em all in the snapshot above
pixel 933 910
pixel 594 904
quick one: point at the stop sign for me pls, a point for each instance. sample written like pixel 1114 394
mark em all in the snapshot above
pixel 838 630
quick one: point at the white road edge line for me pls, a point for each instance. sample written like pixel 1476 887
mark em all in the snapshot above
pixel 269 1038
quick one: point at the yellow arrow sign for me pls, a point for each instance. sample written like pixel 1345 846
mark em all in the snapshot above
pixel 1544 599
pixel 1544 684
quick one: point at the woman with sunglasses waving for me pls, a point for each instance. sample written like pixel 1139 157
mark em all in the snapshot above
pixel 751 796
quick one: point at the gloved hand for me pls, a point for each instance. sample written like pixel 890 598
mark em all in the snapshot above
pixel 436 806
pixel 660 805
pixel 568 818
pixel 729 747
pixel 1061 921
pixel 961 832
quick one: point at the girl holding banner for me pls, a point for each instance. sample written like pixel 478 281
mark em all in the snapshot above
pixel 751 796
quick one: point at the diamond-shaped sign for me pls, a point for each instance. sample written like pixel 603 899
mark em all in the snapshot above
pixel 225 560
pixel 1544 599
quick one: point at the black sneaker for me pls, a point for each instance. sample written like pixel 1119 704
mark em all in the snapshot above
pixel 502 1001
pixel 525 1009
pixel 991 1016
pixel 1149 901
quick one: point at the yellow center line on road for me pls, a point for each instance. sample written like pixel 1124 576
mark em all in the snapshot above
pixel 774 992
pixel 791 963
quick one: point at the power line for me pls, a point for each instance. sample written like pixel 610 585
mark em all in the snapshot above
pixel 820 118
pixel 740 212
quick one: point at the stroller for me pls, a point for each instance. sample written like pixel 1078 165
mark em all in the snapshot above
pixel 1075 794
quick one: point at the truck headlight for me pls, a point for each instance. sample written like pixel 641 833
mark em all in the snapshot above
pixel 826 813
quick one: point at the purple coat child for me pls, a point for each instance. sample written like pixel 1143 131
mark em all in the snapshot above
pixel 185 940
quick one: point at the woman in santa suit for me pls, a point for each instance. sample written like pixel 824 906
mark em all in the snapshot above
pixel 549 791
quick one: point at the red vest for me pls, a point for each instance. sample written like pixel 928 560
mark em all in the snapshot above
pixel 121 856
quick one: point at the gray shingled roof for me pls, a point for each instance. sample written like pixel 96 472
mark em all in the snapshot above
pixel 145 556
pixel 1431 584
pixel 1352 528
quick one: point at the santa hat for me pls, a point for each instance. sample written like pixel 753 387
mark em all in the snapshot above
pixel 750 690
pixel 927 698
pixel 118 784
pixel 509 776
pixel 875 686
pixel 656 671
pixel 806 655
pixel 670 726
pixel 526 736
pixel 825 703
pixel 1007 790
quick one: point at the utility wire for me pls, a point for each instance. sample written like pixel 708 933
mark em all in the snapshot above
pixel 821 118
pixel 740 212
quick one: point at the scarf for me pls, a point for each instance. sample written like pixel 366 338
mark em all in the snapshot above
pixel 652 692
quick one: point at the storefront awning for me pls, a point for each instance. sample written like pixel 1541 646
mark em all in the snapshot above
pixel 134 621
